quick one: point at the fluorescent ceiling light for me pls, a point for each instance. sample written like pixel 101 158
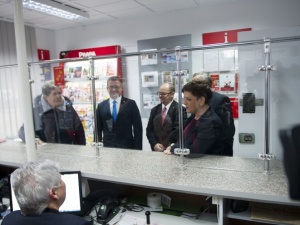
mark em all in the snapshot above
pixel 55 9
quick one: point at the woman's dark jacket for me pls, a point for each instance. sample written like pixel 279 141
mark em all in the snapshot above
pixel 204 136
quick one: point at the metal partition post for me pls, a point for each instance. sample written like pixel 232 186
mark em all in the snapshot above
pixel 96 143
pixel 179 74
pixel 267 108
pixel 31 81
pixel 266 156
pixel 181 150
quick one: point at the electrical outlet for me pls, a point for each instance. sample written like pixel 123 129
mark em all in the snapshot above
pixel 248 138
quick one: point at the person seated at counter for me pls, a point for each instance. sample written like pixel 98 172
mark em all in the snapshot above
pixel 201 132
pixel 222 106
pixel 40 192
pixel 55 119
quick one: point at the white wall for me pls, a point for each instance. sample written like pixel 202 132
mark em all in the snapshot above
pixel 46 40
pixel 256 14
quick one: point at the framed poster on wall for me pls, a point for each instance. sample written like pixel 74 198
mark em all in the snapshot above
pixel 227 83
pixel 150 79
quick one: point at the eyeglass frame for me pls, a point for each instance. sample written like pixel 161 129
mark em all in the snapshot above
pixel 114 87
pixel 164 94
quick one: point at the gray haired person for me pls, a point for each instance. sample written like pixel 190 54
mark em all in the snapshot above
pixel 40 192
pixel 55 119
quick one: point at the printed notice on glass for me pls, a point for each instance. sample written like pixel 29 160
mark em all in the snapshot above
pixel 226 60
pixel 211 60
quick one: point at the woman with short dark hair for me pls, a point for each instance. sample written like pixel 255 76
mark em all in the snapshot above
pixel 202 130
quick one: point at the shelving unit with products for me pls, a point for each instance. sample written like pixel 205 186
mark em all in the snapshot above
pixel 78 82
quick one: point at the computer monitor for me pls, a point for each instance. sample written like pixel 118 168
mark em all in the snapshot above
pixel 73 201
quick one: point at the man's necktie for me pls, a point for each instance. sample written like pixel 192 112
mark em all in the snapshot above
pixel 114 111
pixel 163 115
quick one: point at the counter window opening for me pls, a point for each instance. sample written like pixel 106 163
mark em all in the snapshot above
pixel 231 74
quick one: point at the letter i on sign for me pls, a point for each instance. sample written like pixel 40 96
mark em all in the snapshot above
pixel 225 38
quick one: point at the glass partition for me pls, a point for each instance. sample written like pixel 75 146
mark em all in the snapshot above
pixel 233 70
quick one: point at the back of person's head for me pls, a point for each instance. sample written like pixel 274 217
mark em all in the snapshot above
pixel 114 78
pixel 198 89
pixel 201 76
pixel 31 184
pixel 47 88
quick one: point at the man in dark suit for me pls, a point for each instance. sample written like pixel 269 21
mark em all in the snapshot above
pixel 119 123
pixel 222 106
pixel 40 192
pixel 162 128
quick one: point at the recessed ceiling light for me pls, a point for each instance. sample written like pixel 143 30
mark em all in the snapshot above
pixel 55 9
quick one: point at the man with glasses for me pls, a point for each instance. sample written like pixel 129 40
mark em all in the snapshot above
pixel 162 128
pixel 119 123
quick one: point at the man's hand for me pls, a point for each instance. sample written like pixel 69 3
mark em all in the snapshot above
pixel 168 151
pixel 158 147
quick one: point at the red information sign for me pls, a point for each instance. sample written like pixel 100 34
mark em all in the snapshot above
pixel 225 36
pixel 43 54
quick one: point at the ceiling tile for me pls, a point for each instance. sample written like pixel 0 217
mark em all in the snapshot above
pixel 118 6
pixel 98 19
pixel 94 3
pixel 172 5
pixel 129 12
pixel 101 11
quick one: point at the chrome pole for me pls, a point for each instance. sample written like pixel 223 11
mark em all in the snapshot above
pixel 92 77
pixel 267 103
pixel 181 150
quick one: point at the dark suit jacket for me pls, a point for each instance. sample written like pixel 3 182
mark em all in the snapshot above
pixel 49 217
pixel 204 136
pixel 127 132
pixel 222 106
pixel 166 133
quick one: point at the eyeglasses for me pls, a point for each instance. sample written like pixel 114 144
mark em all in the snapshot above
pixel 163 94
pixel 114 87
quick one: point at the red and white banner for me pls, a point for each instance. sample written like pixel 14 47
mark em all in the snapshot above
pixel 98 51
pixel 226 36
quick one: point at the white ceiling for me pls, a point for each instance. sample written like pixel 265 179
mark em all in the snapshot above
pixel 102 11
